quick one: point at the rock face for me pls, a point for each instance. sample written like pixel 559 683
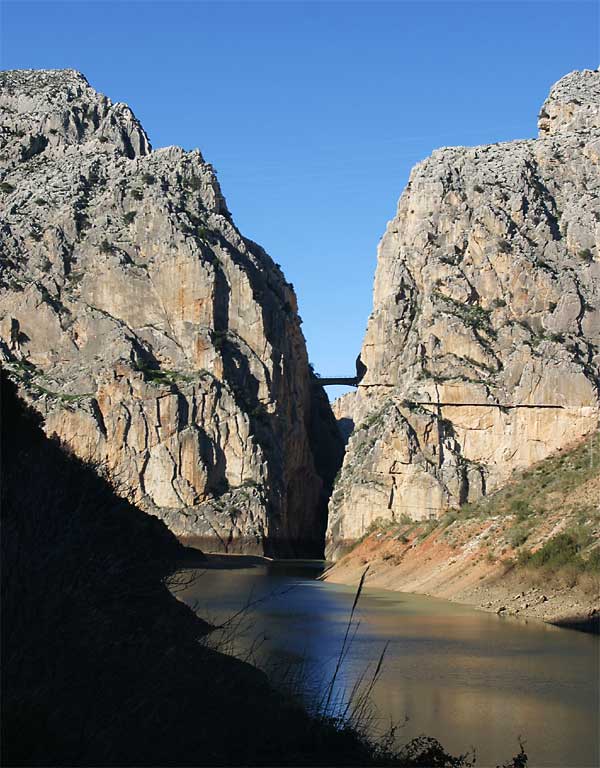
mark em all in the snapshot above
pixel 154 338
pixel 486 308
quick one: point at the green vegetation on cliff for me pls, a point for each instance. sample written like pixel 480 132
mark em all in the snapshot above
pixel 551 513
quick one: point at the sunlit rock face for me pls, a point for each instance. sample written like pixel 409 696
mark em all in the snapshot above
pixel 155 339
pixel 487 296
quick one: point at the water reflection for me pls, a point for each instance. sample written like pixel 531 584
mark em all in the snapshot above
pixel 465 677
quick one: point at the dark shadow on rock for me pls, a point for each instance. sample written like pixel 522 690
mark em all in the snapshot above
pixel 346 428
pixel 327 448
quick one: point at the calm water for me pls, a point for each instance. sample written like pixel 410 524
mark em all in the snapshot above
pixel 468 678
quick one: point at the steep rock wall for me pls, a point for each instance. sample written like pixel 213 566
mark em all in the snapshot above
pixel 154 338
pixel 486 306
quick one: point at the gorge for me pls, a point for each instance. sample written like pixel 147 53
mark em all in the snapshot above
pixel 159 342
pixel 157 400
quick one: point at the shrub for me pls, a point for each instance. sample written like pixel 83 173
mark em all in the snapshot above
pixel 561 550
pixel 106 247
pixel 103 139
pixel 518 536
pixel 129 217
pixel 6 187
pixel 473 315
pixel 219 339
pixel 449 517
pixel 428 528
pixel 586 255
pixel 469 511
pixel 521 509
pixel 39 201
pixel 594 560
pixel 148 178
pixel 137 194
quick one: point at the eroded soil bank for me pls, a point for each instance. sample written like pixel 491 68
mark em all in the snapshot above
pixel 436 569
pixel 529 550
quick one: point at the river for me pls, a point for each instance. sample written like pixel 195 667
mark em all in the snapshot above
pixel 465 677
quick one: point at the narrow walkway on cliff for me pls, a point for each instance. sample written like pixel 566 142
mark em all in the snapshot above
pixel 353 381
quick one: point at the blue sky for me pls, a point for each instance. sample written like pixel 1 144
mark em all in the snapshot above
pixel 313 113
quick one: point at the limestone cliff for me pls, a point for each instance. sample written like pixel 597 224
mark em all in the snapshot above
pixel 154 338
pixel 486 312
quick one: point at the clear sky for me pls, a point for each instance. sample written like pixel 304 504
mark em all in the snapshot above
pixel 313 113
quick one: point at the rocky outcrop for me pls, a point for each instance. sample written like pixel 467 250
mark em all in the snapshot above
pixel 482 351
pixel 155 339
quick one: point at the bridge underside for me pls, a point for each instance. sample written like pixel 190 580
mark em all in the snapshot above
pixel 345 381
